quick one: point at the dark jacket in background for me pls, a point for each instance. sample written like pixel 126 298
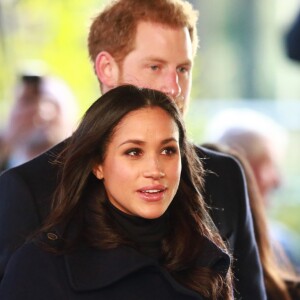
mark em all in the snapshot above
pixel 292 40
pixel 26 191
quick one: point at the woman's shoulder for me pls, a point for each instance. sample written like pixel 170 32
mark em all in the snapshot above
pixel 29 256
pixel 32 272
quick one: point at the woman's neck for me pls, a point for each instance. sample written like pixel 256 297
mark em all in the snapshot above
pixel 146 234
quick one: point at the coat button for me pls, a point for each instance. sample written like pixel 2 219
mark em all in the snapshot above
pixel 52 236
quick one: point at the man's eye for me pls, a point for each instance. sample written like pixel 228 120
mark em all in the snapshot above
pixel 183 70
pixel 154 67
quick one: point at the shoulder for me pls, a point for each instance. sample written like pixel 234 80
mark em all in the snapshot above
pixel 218 162
pixel 224 190
pixel 35 166
pixel 224 178
pixel 222 171
pixel 26 256
pixel 30 184
pixel 25 198
pixel 33 272
pixel 26 261
pixel 34 180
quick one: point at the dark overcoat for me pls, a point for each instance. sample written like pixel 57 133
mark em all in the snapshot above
pixel 93 274
pixel 26 191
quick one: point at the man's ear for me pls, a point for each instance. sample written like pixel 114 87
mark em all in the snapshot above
pixel 107 70
pixel 98 172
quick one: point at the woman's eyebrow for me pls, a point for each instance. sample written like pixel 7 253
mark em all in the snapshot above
pixel 140 142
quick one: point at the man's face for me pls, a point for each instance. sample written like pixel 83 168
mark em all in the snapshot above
pixel 161 60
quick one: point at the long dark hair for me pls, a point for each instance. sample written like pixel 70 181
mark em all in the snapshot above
pixel 80 198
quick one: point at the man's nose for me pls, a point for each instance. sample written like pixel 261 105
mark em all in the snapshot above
pixel 171 85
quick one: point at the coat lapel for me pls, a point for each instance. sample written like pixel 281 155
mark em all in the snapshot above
pixel 90 269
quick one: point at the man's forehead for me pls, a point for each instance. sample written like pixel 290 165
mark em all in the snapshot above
pixel 155 40
pixel 152 26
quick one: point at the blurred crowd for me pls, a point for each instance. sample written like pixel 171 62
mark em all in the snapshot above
pixel 43 113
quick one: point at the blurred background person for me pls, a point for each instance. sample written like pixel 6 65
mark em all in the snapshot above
pixel 263 143
pixel 44 112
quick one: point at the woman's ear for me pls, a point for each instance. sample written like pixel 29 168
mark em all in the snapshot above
pixel 98 172
pixel 107 70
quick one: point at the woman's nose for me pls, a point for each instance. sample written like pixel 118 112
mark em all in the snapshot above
pixel 155 174
pixel 154 170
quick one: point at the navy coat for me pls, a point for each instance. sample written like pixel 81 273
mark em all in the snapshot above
pixel 25 195
pixel 88 273
pixel 292 40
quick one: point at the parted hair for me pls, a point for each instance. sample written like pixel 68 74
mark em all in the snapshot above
pixel 81 199
pixel 114 29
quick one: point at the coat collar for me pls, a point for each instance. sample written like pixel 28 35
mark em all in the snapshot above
pixel 89 269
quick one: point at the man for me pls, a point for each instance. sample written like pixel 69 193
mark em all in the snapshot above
pixel 149 44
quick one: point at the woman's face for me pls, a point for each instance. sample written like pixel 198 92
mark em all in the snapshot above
pixel 142 166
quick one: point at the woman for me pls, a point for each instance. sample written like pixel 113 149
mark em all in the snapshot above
pixel 128 218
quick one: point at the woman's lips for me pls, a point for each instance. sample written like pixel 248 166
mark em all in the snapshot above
pixel 153 193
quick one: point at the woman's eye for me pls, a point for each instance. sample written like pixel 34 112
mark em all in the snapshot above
pixel 133 152
pixel 169 151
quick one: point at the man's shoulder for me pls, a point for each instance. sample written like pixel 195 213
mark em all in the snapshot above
pixel 224 183
pixel 218 162
pixel 37 168
pixel 33 182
